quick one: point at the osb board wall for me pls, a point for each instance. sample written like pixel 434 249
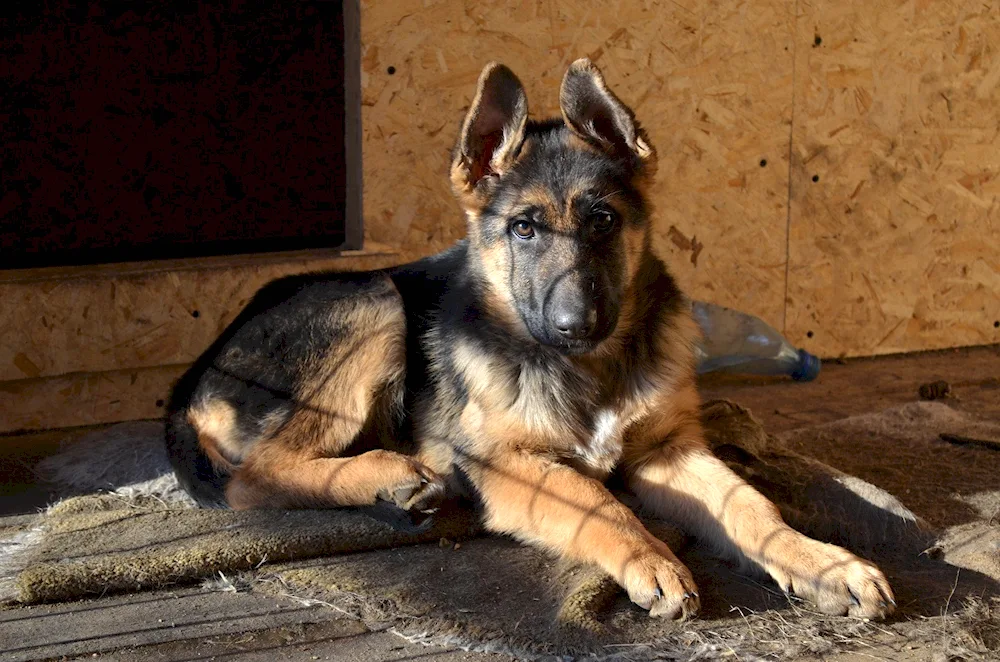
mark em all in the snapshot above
pixel 86 398
pixel 896 247
pixel 103 344
pixel 58 321
pixel 700 78
pixel 703 77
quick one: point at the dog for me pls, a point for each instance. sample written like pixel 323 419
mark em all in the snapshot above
pixel 528 362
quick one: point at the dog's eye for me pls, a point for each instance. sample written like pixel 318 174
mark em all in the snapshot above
pixel 522 229
pixel 604 221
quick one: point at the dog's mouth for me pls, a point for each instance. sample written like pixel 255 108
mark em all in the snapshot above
pixel 578 347
pixel 573 346
pixel 567 346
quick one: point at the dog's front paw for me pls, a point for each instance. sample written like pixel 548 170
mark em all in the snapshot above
pixel 411 495
pixel 416 489
pixel 662 585
pixel 835 580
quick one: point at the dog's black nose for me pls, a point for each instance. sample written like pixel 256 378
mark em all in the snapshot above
pixel 575 323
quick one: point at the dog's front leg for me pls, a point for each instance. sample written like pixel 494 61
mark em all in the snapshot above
pixel 673 473
pixel 543 502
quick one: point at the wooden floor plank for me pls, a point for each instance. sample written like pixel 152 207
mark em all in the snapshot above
pixel 93 626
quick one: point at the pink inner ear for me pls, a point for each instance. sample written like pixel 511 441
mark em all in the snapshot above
pixel 482 166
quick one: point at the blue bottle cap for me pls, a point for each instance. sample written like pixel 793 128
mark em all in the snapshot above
pixel 808 368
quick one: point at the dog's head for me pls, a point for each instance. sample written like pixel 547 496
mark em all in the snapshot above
pixel 557 217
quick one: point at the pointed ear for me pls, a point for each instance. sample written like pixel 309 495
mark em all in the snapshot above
pixel 594 113
pixel 492 131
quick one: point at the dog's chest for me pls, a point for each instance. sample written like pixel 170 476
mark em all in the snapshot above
pixel 582 419
pixel 602 449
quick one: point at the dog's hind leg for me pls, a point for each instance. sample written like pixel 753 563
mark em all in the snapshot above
pixel 347 403
pixel 282 479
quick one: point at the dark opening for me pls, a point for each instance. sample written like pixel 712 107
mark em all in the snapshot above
pixel 172 128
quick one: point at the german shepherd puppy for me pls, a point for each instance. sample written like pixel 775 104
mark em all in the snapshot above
pixel 547 349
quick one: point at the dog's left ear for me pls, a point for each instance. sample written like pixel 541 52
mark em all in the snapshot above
pixel 594 113
pixel 492 132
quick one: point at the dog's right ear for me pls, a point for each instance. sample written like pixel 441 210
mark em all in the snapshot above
pixel 492 133
pixel 593 112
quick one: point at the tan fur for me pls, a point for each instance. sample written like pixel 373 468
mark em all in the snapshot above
pixel 214 421
pixel 487 379
pixel 498 300
pixel 522 456
pixel 297 466
pixel 530 495
pixel 523 472
pixel 345 382
pixel 673 473
pixel 278 476
pixel 463 188
pixel 636 244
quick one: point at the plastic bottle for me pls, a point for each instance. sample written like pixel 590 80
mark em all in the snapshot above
pixel 737 342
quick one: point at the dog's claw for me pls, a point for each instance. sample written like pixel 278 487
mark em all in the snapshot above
pixel 662 585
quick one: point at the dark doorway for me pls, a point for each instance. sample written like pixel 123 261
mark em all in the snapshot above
pixel 149 129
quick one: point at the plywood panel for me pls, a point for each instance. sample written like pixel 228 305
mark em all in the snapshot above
pixel 896 245
pixel 711 81
pixel 86 398
pixel 93 319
